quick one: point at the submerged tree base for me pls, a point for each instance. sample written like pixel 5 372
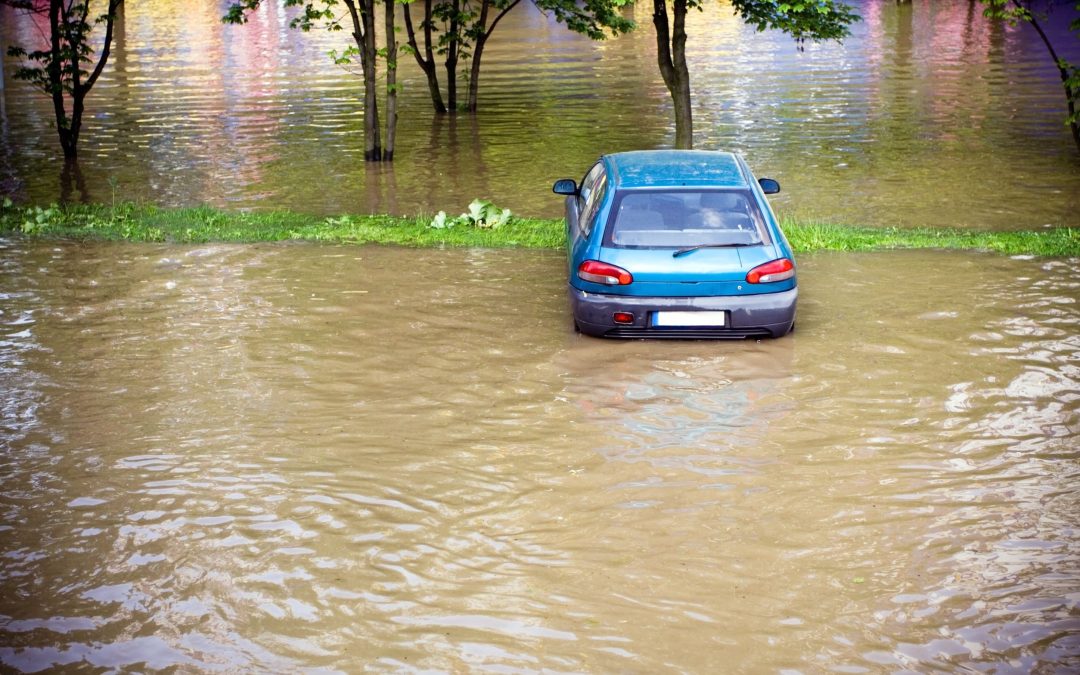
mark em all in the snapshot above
pixel 142 223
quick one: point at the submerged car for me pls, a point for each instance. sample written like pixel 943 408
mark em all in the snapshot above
pixel 677 244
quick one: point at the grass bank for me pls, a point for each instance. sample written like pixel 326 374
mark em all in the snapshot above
pixel 143 223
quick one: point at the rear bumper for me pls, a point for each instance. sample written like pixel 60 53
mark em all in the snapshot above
pixel 761 315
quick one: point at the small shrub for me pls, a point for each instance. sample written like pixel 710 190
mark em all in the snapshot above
pixel 37 219
pixel 482 214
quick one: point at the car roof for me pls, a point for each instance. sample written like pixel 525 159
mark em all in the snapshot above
pixel 676 168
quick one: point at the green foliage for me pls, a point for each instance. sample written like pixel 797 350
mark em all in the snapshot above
pixel 808 236
pixel 345 56
pixel 594 18
pixel 458 24
pixel 1006 10
pixel 802 19
pixel 482 214
pixel 1072 85
pixel 313 13
pixel 36 219
pixel 440 222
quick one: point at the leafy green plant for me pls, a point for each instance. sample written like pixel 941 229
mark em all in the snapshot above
pixel 439 222
pixel 341 222
pixel 37 219
pixel 482 214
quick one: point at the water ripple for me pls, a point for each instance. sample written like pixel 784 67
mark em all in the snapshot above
pixel 289 458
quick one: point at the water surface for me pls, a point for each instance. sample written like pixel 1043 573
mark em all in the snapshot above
pixel 927 115
pixel 312 458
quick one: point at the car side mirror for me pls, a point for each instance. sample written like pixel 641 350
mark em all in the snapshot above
pixel 565 186
pixel 769 186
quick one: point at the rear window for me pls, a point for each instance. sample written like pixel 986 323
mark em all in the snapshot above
pixel 676 219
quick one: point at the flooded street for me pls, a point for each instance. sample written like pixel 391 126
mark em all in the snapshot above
pixel 313 458
pixel 301 458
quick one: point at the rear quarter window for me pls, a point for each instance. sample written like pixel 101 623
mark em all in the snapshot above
pixel 588 184
pixel 592 205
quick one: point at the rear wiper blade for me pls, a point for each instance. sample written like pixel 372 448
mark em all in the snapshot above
pixel 691 249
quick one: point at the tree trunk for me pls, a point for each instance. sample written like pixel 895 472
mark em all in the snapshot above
pixel 391 83
pixel 373 148
pixel 452 50
pixel 77 108
pixel 78 93
pixel 478 50
pixel 56 84
pixel 427 61
pixel 671 57
pixel 363 20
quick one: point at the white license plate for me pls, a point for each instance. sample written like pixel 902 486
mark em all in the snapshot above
pixel 689 318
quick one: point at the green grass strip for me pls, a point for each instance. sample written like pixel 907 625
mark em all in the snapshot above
pixel 806 236
pixel 144 223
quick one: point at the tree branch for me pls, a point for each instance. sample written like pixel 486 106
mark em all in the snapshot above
pixel 499 17
pixel 663 41
pixel 72 42
pixel 114 5
pixel 358 30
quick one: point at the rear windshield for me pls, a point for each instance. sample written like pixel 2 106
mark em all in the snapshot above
pixel 681 218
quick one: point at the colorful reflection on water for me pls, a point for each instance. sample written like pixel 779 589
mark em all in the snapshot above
pixel 927 115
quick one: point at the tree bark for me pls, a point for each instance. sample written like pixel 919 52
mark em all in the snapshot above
pixel 478 50
pixel 391 83
pixel 452 49
pixel 114 9
pixel 671 57
pixel 427 61
pixel 56 82
pixel 363 20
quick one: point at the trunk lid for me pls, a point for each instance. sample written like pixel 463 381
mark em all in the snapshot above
pixel 703 272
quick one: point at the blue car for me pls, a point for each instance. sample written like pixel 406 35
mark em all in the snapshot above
pixel 677 244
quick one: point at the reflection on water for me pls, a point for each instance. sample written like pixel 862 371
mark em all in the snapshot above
pixel 695 413
pixel 919 118
pixel 322 458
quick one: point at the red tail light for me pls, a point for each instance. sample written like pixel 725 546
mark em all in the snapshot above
pixel 777 270
pixel 603 273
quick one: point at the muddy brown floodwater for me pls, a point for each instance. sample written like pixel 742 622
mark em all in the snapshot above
pixel 314 458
